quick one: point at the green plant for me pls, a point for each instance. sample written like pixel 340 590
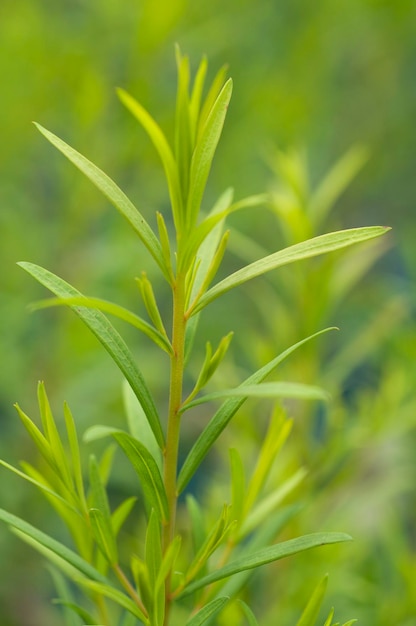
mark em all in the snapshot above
pixel 174 572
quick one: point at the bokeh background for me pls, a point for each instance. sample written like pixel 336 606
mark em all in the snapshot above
pixel 311 79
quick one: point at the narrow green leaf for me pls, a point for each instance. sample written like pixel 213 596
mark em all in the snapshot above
pixel 215 88
pixel 100 515
pixel 266 533
pixel 335 182
pixel 165 243
pixel 72 612
pixel 117 197
pixel 264 390
pixel 196 97
pixel 37 436
pixel 104 535
pixel 114 309
pixel 138 425
pixel 116 596
pixel 198 522
pixel 153 559
pixel 110 339
pixel 51 544
pixel 225 413
pixel 266 507
pixel 153 548
pixel 206 250
pixel 204 152
pixel 311 610
pixel 214 538
pixel 147 471
pixel 40 485
pixel 267 555
pixel 328 620
pixel 75 454
pixel 51 433
pixel 277 434
pixel 251 618
pixel 121 513
pixel 168 561
pixel 208 611
pixel 304 250
pixel 77 610
pixel 152 308
pixel 162 146
pixel 238 484
pixel 183 132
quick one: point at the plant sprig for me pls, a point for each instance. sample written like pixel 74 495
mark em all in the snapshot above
pixel 149 590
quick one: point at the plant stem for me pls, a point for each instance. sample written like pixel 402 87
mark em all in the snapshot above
pixel 174 418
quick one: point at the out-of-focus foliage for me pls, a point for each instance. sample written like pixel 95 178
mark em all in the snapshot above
pixel 326 75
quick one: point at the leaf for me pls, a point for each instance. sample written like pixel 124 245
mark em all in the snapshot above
pixel 100 515
pixel 183 132
pixel 208 611
pixel 267 555
pixel 52 435
pixel 311 611
pixel 196 97
pixel 276 436
pixel 204 152
pixel 238 485
pixel 264 390
pixel 304 250
pixel 153 548
pixel 114 594
pixel 114 309
pixel 117 197
pixel 43 540
pixel 39 485
pixel 147 471
pixel 71 610
pixel 251 618
pixel 211 363
pixel 110 339
pixel 78 610
pixel 266 533
pixel 168 561
pixel 268 505
pixel 138 425
pixel 103 536
pixel 225 413
pixel 215 88
pixel 211 542
pixel 75 454
pixel 37 436
pixel 121 513
pixel 162 146
pixel 334 183
pixel 153 558
pixel 328 620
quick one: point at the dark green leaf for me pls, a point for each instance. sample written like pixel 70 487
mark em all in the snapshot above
pixel 148 472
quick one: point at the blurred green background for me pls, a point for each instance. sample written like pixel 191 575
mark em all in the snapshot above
pixel 319 77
